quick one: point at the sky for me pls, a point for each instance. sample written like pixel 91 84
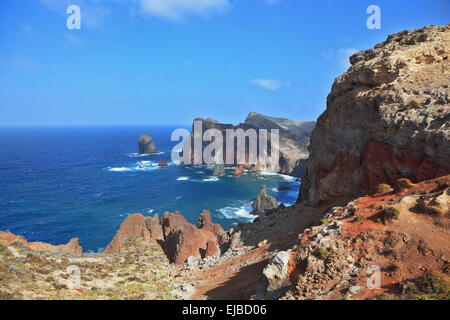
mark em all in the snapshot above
pixel 166 62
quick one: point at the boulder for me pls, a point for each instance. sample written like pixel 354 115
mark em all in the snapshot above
pixel 437 204
pixel 162 163
pixel 264 203
pixel 276 273
pixel 185 242
pixel 146 144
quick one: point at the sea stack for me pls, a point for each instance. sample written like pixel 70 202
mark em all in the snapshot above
pixel 218 170
pixel 264 204
pixel 146 144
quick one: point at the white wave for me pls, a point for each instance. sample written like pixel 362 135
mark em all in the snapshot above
pixel 150 211
pixel 284 176
pixel 120 169
pixel 211 179
pixel 183 178
pixel 239 212
pixel 137 155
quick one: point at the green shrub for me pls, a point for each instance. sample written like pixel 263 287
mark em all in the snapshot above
pixel 322 253
pixel 383 187
pixel 431 286
pixel 391 213
pixel 405 183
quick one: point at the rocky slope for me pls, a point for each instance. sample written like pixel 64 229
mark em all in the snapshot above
pixel 387 117
pixel 294 140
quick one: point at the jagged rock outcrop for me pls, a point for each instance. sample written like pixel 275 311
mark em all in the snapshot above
pixel 162 163
pixel 293 141
pixel 238 171
pixel 73 246
pixel 177 237
pixel 387 117
pixel 264 203
pixel 276 273
pixel 218 170
pixel 146 144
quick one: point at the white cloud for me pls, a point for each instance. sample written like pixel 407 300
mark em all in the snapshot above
pixel 178 10
pixel 269 84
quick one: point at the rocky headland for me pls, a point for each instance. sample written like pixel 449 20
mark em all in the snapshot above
pixel 387 118
pixel 293 141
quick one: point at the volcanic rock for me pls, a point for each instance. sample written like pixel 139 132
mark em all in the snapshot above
pixel 73 246
pixel 276 273
pixel 162 163
pixel 264 203
pixel 146 144
pixel 387 117
pixel 239 170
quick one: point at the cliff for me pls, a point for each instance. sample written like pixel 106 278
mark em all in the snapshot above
pixel 293 140
pixel 387 117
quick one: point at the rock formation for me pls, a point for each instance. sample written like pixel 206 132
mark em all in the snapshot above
pixel 146 144
pixel 276 273
pixel 294 140
pixel 264 203
pixel 218 170
pixel 387 117
pixel 72 246
pixel 162 163
pixel 239 170
pixel 177 237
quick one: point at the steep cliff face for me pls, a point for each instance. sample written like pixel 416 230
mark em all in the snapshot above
pixel 387 118
pixel 293 140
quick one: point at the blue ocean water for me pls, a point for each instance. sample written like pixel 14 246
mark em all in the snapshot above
pixel 59 183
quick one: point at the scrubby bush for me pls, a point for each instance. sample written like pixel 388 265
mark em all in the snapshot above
pixel 390 213
pixel 405 183
pixel 321 253
pixel 383 187
pixel 431 286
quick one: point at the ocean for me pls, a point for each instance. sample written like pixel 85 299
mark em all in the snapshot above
pixel 57 183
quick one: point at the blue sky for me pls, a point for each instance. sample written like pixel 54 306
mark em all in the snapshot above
pixel 138 62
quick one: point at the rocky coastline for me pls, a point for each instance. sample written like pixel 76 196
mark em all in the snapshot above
pixel 374 194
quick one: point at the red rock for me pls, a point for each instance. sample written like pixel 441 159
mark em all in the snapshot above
pixel 185 242
pixel 171 222
pixel 211 248
pixel 239 170
pixel 154 227
pixel 72 246
pixel 205 223
pixel 134 226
